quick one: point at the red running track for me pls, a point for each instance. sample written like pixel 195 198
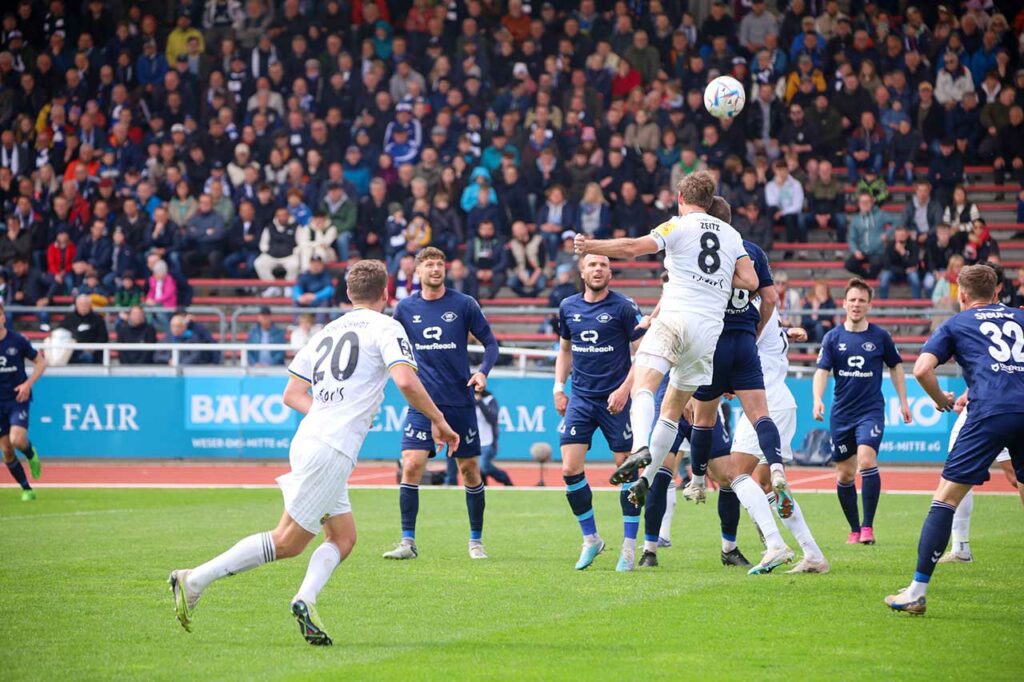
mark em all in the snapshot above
pixel 375 473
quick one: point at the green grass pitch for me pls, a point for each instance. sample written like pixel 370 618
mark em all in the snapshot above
pixel 83 596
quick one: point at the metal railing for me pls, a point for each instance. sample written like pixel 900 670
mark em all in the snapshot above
pixel 108 312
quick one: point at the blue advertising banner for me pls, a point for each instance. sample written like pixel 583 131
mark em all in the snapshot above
pixel 244 417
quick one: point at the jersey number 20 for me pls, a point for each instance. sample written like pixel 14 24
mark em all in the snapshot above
pixel 349 340
pixel 1000 350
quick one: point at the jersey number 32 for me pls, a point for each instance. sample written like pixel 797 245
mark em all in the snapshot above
pixel 1000 350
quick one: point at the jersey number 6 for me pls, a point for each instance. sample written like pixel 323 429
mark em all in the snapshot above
pixel 348 339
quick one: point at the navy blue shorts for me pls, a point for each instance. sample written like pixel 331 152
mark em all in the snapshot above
pixel 737 367
pixel 585 415
pixel 845 440
pixel 978 444
pixel 721 443
pixel 416 430
pixel 13 414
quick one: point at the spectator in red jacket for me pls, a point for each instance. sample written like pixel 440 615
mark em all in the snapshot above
pixel 59 257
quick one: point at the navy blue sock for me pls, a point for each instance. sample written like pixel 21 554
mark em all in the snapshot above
pixel 728 513
pixel 409 505
pixel 630 512
pixel 475 506
pixel 769 439
pixel 934 537
pixel 581 501
pixel 848 501
pixel 18 473
pixel 870 491
pixel 657 503
pixel 700 449
pixel 29 454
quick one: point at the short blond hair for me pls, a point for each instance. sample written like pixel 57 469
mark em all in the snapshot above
pixel 366 281
pixel 698 189
pixel 977 282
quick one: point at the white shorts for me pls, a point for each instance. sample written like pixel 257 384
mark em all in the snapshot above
pixel 317 486
pixel 688 344
pixel 745 438
pixel 1003 456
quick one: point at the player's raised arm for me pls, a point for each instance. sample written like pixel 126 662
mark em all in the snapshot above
pixel 924 372
pixel 412 389
pixel 616 248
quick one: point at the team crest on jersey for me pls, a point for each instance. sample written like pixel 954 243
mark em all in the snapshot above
pixel 416 319
pixel 12 351
pixel 604 317
pixel 449 316
pixel 868 346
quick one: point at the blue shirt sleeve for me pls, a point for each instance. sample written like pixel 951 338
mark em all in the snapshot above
pixel 942 343
pixel 26 348
pixel 825 354
pixel 481 329
pixel 630 315
pixel 891 354
pixel 563 327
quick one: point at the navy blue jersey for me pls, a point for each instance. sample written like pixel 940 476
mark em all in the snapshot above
pixel 743 313
pixel 600 334
pixel 439 331
pixel 855 360
pixel 988 344
pixel 14 348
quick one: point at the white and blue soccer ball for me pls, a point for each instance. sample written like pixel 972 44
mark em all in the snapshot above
pixel 724 97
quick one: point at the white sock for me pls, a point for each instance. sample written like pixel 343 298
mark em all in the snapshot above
pixel 651 546
pixel 798 527
pixel 247 553
pixel 728 545
pixel 698 480
pixel 629 544
pixel 916 589
pixel 591 539
pixel 670 510
pixel 641 416
pixel 962 525
pixel 322 563
pixel 753 500
pixel 662 439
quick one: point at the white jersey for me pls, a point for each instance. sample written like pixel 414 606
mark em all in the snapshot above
pixel 700 256
pixel 347 364
pixel 772 349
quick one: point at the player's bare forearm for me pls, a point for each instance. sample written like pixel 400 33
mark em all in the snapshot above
pixel 617 248
pixel 819 383
pixel 563 362
pixel 899 382
pixel 38 367
pixel 924 372
pixel 745 277
pixel 412 390
pixel 296 395
pixel 769 299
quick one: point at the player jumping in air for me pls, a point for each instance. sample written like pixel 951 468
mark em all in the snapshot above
pixel 597 328
pixel 706 261
pixel 439 322
pixel 987 340
pixel 15 395
pixel 345 367
pixel 854 353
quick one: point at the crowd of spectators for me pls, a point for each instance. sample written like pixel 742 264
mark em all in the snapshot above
pixel 144 144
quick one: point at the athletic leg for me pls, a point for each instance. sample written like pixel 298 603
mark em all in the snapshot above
pixel 14 466
pixel 581 501
pixel 414 463
pixel 339 539
pixel 870 490
pixel 469 467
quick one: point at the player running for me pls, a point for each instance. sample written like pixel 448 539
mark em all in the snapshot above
pixel 773 349
pixel 854 353
pixel 706 260
pixel 439 322
pixel 15 396
pixel 345 366
pixel 987 340
pixel 599 329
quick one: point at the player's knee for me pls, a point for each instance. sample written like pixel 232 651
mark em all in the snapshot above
pixel 19 441
pixel 571 468
pixel 344 543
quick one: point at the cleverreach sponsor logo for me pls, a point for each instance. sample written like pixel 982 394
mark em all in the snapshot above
pixel 592 349
pixel 451 345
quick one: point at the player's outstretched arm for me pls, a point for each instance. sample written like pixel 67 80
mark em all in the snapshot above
pixel 23 391
pixel 563 364
pixel 769 300
pixel 616 248
pixel 409 384
pixel 296 395
pixel 899 382
pixel 818 389
pixel 745 277
pixel 797 334
pixel 924 372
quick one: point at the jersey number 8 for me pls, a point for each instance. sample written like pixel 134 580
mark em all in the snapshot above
pixel 708 259
pixel 349 340
pixel 1000 350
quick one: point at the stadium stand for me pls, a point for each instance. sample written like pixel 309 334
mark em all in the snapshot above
pixel 230 156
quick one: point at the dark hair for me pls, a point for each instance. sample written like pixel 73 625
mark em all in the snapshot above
pixel 366 281
pixel 720 209
pixel 858 283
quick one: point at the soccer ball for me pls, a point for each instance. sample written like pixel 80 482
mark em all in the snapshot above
pixel 724 97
